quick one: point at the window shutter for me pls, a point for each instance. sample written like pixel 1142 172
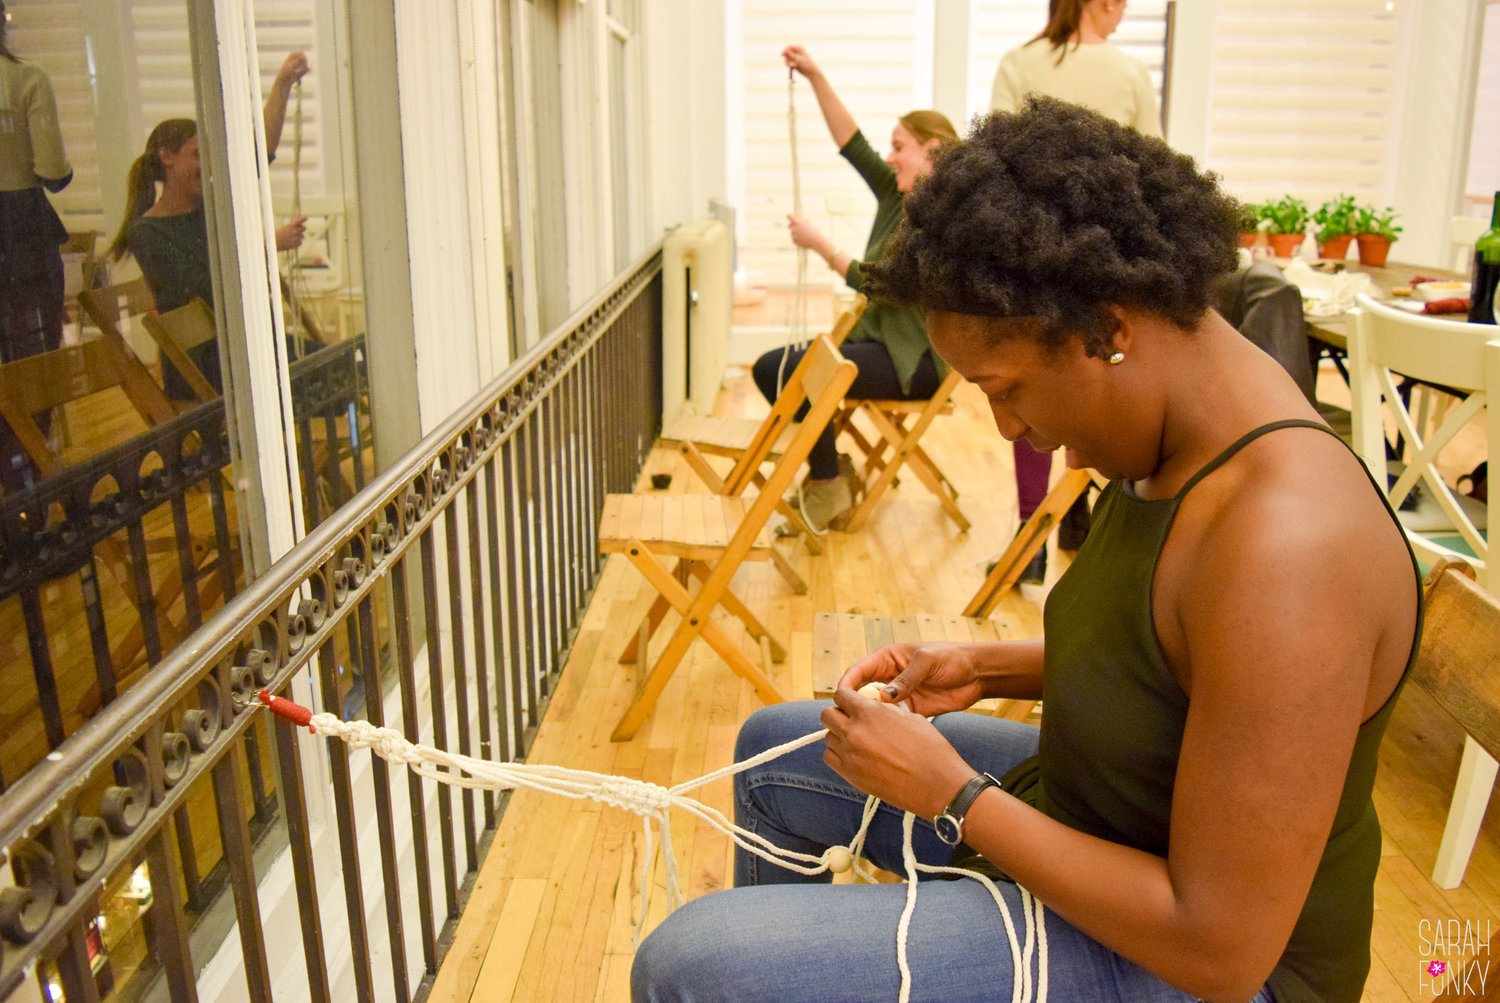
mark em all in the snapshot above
pixel 52 37
pixel 281 28
pixel 871 54
pixel 1301 97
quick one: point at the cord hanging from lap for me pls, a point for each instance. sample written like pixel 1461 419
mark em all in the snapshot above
pixel 653 802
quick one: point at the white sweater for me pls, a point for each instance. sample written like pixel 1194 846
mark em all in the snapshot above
pixel 1100 77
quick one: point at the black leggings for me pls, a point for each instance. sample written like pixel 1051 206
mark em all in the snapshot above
pixel 877 380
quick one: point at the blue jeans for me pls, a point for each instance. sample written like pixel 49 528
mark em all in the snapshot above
pixel 783 936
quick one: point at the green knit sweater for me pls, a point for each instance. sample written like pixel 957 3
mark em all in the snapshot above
pixel 901 329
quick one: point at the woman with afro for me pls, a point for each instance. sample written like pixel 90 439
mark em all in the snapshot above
pixel 1218 666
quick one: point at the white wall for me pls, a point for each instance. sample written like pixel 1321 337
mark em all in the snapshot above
pixel 686 131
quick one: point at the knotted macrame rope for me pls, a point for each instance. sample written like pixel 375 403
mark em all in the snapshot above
pixel 653 803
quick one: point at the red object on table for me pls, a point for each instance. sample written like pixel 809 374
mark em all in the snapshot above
pixel 1457 304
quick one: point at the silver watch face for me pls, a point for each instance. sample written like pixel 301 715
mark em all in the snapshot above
pixel 949 829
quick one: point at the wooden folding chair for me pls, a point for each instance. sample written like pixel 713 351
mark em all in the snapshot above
pixel 710 535
pixel 751 444
pixel 176 333
pixel 899 426
pixel 107 307
pixel 1456 662
pixel 40 383
pixel 841 639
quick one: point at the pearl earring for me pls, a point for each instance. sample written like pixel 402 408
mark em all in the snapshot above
pixel 1115 358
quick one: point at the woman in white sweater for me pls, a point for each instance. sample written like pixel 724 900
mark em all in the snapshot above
pixel 1073 61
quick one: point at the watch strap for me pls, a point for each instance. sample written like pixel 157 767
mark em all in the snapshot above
pixel 968 794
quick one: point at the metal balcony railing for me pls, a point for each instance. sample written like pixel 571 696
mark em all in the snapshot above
pixel 442 600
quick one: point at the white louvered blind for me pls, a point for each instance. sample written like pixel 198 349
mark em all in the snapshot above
pixel 52 36
pixel 281 28
pixel 874 57
pixel 1301 98
pixel 151 66
pixel 997 26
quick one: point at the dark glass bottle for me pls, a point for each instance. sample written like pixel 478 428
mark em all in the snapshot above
pixel 1486 276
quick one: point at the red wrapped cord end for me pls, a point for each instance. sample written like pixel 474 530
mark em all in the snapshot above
pixel 287 710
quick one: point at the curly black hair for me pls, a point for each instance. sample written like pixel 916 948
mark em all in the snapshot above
pixel 1056 213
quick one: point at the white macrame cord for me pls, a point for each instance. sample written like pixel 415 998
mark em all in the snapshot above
pixel 654 802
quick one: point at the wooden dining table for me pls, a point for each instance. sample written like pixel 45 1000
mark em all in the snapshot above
pixel 1333 331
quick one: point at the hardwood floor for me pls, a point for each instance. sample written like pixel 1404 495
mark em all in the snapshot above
pixel 554 909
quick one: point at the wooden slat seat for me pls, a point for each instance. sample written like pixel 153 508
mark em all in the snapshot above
pixel 729 437
pixel 841 639
pixel 693 527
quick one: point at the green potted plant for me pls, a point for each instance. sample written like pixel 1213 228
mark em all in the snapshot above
pixel 1335 220
pixel 1375 231
pixel 1249 223
pixel 1285 222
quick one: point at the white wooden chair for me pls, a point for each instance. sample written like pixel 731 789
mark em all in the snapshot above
pixel 1443 525
pixel 1463 231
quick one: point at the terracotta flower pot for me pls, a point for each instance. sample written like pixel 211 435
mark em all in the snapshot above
pixel 1286 245
pixel 1373 249
pixel 1335 247
pixel 1248 239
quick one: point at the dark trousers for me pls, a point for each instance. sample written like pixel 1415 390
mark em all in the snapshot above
pixel 31 322
pixel 1032 471
pixel 877 380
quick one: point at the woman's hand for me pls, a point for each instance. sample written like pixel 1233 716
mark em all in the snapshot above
pixel 292 70
pixel 935 678
pixel 804 234
pixel 797 59
pixel 289 235
pixel 892 753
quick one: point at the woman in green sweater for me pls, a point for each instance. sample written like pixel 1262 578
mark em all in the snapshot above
pixel 889 344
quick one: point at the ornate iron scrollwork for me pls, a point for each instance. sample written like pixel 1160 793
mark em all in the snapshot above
pixel 25 909
pixel 176 757
pixel 124 807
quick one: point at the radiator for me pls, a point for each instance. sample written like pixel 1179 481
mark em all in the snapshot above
pixel 697 297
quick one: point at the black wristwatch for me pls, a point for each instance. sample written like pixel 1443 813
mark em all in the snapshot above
pixel 950 824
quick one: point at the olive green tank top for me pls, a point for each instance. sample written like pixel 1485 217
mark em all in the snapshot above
pixel 1113 724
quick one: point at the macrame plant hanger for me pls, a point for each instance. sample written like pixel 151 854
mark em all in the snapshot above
pixel 296 282
pixel 797 325
pixel 654 803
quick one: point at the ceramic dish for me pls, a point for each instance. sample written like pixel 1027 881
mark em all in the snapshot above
pixel 1430 291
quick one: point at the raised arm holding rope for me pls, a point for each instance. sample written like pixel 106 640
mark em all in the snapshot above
pixel 889 344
